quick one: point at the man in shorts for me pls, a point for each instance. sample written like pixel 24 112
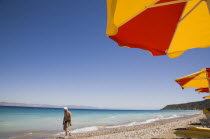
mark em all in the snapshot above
pixel 67 121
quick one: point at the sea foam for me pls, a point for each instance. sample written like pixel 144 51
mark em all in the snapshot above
pixel 135 123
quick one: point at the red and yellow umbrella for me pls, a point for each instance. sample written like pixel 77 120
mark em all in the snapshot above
pixel 195 80
pixel 162 27
pixel 199 79
pixel 205 90
pixel 207 97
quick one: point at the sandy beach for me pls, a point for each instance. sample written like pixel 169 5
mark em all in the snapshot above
pixel 160 129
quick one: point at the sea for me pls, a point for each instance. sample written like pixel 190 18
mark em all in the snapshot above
pixel 37 123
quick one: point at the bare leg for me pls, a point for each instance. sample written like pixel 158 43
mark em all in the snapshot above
pixel 67 130
pixel 69 133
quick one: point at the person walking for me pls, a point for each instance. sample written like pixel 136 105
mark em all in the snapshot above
pixel 67 121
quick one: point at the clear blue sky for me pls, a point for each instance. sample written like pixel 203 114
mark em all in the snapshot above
pixel 56 52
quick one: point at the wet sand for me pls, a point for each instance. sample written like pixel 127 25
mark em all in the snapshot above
pixel 160 129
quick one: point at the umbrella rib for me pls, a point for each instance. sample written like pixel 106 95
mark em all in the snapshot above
pixel 167 3
pixel 200 78
pixel 191 10
pixel 208 5
pixel 191 75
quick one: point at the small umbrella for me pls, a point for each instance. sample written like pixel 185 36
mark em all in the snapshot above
pixel 207 97
pixel 205 90
pixel 162 27
pixel 195 80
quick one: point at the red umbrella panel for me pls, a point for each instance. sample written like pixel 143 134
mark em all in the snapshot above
pixel 203 90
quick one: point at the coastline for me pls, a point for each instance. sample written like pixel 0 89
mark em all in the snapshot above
pixel 158 129
pixel 36 123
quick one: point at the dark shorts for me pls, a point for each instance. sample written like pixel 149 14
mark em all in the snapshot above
pixel 66 125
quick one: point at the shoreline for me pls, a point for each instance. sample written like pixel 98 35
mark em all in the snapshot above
pixel 157 129
pixel 102 124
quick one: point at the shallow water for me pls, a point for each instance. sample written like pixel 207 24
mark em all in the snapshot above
pixel 30 122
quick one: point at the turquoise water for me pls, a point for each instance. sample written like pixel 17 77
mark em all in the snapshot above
pixel 19 120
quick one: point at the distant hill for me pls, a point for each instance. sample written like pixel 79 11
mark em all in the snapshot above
pixel 199 105
pixel 46 106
